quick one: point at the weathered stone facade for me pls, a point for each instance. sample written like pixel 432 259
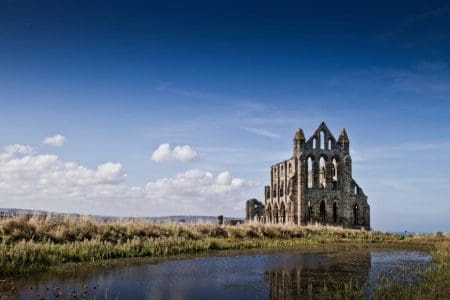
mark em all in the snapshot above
pixel 254 210
pixel 315 186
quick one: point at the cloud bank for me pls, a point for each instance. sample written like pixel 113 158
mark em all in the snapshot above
pixel 44 181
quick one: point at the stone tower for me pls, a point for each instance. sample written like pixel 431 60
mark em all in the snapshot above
pixel 315 185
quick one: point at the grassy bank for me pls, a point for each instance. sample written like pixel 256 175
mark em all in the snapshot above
pixel 34 244
pixel 435 283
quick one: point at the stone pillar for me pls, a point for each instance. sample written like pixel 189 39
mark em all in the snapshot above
pixel 348 199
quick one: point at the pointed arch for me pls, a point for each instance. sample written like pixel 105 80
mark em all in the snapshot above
pixel 335 213
pixel 269 213
pixel 291 212
pixel 310 172
pixel 281 192
pixel 335 171
pixel 322 172
pixel 323 212
pixel 282 213
pixel 275 214
pixel 322 139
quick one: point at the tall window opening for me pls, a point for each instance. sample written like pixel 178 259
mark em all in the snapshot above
pixel 309 163
pixel 334 173
pixel 275 214
pixel 329 144
pixel 269 214
pixel 322 140
pixel 323 172
pixel 323 215
pixel 282 213
pixel 314 142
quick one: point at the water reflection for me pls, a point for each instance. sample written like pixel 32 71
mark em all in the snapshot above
pixel 359 271
pixel 254 274
pixel 314 279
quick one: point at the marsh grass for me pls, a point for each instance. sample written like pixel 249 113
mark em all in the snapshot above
pixel 30 244
pixel 434 283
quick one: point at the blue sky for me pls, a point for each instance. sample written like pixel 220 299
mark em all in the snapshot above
pixel 232 81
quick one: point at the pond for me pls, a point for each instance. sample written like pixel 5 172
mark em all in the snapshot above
pixel 252 274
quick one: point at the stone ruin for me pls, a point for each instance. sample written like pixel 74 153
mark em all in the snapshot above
pixel 314 186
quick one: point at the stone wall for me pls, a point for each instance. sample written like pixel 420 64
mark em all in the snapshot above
pixel 315 185
pixel 254 210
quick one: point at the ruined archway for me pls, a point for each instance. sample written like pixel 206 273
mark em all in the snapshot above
pixel 269 214
pixel 310 212
pixel 323 213
pixel 322 172
pixel 310 172
pixel 322 139
pixel 282 213
pixel 275 214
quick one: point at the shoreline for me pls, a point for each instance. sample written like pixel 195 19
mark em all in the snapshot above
pixel 35 244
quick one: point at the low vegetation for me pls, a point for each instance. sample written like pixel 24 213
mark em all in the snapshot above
pixel 434 284
pixel 31 244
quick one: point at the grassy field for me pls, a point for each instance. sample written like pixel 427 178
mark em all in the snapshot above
pixel 435 283
pixel 31 244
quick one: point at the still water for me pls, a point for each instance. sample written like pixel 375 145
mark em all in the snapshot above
pixel 253 274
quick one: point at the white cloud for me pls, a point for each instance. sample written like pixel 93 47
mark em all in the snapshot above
pixel 56 140
pixel 262 132
pixel 43 181
pixel 179 153
pixel 14 150
pixel 197 192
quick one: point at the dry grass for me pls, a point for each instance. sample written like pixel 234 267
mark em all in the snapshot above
pixel 33 244
pixel 435 282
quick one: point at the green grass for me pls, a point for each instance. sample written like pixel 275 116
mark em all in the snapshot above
pixel 435 283
pixel 35 244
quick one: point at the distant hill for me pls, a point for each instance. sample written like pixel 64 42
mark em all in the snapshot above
pixel 10 212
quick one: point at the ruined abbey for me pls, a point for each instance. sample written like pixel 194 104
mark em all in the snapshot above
pixel 314 186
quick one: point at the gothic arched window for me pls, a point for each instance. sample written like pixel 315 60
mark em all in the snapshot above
pixel 322 139
pixel 310 171
pixel 322 173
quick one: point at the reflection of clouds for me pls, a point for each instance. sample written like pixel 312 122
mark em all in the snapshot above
pixel 399 266
pixel 246 275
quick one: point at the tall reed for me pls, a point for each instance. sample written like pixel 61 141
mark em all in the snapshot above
pixel 35 243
